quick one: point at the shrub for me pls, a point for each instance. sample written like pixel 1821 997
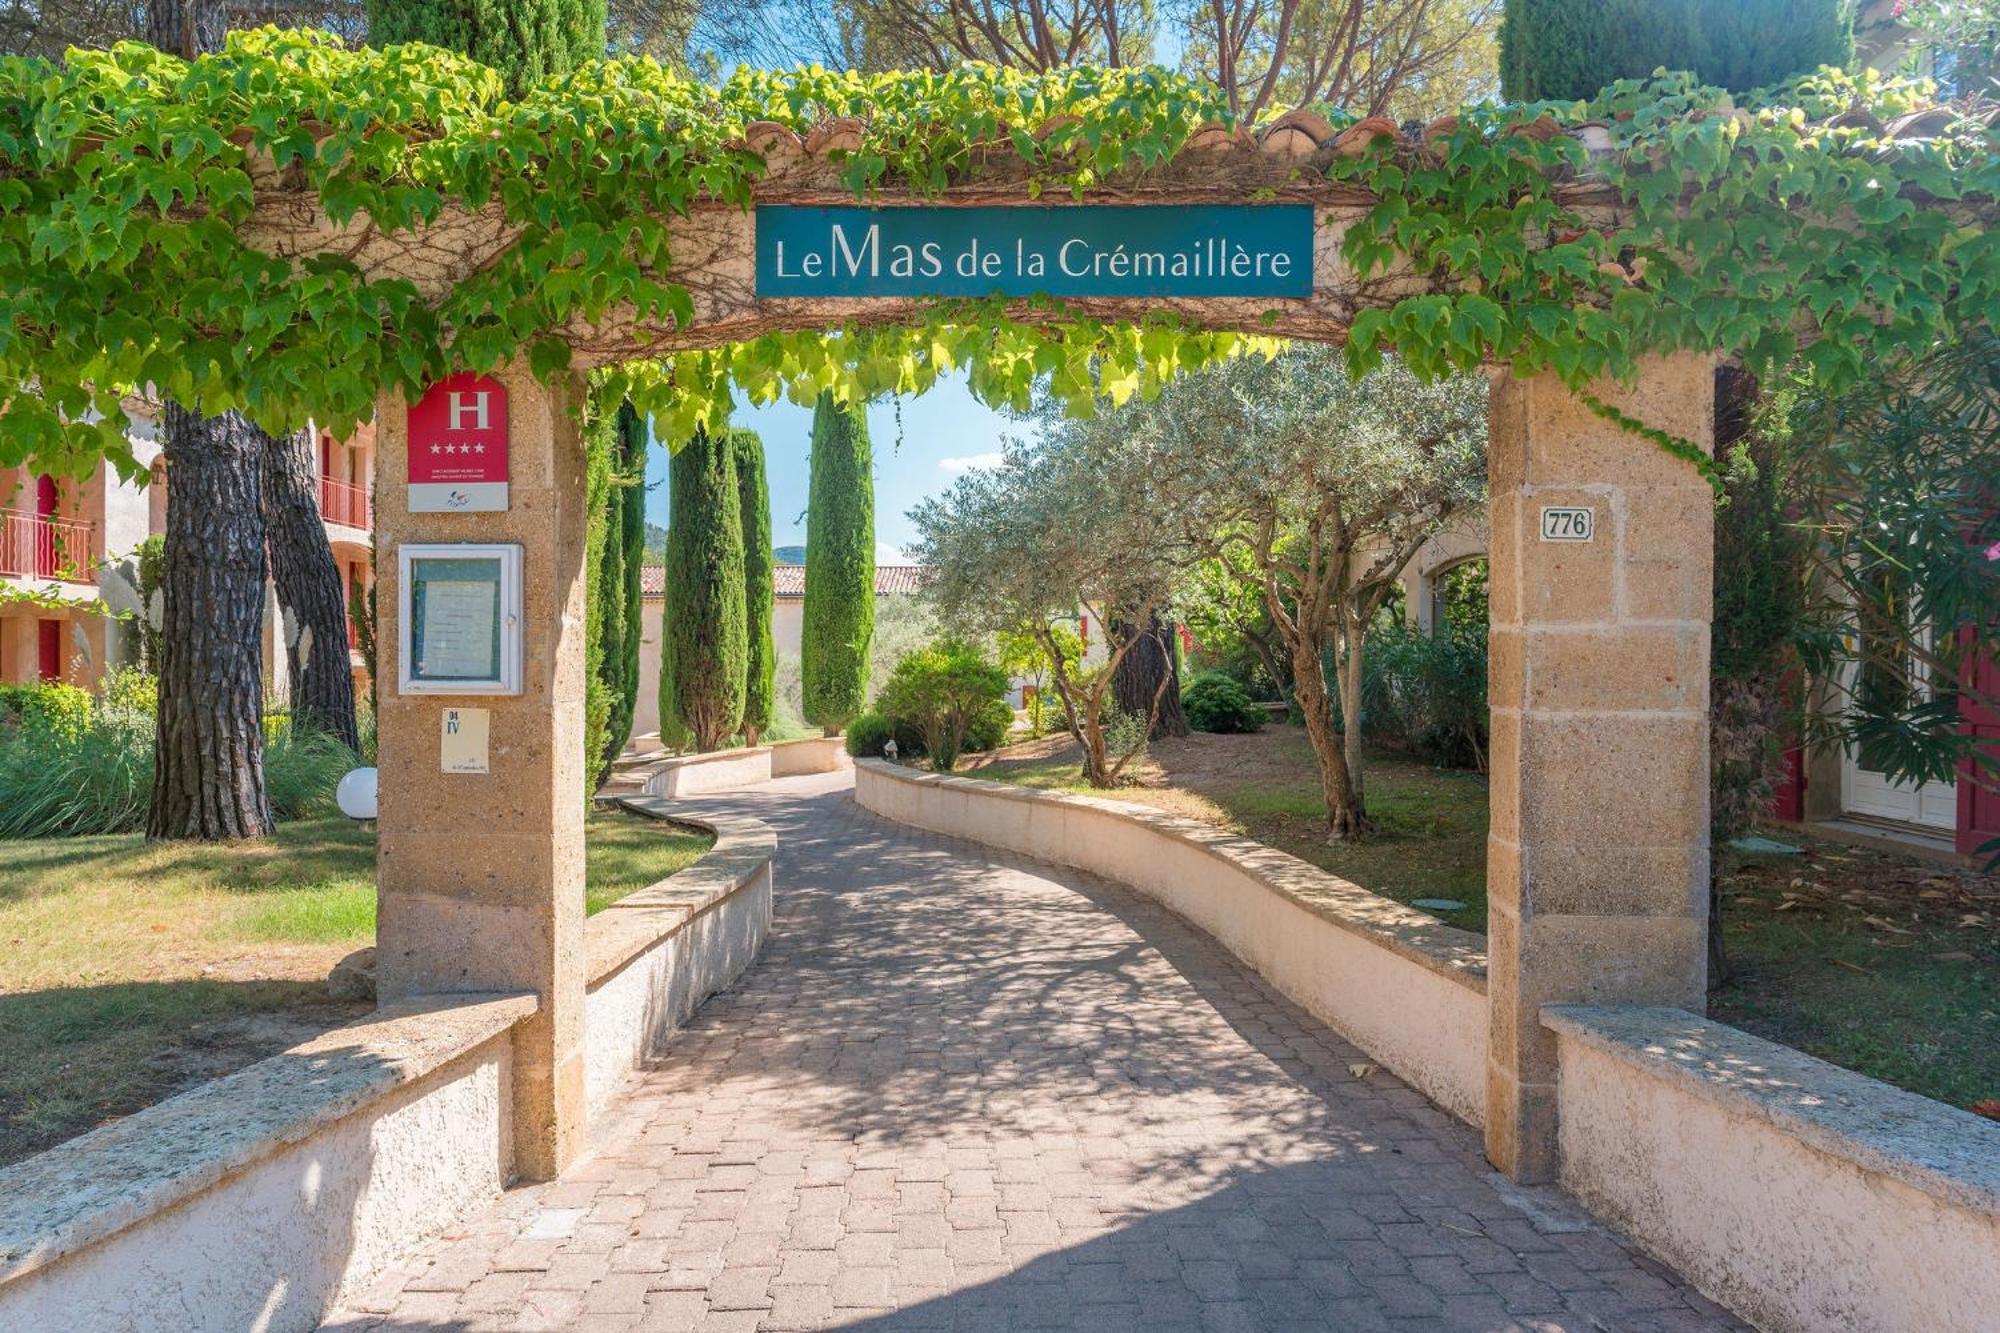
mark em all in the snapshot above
pixel 95 775
pixel 302 766
pixel 46 707
pixel 131 691
pixel 96 779
pixel 1217 702
pixel 989 728
pixel 867 733
pixel 941 691
pixel 876 730
pixel 1427 692
pixel 1565 50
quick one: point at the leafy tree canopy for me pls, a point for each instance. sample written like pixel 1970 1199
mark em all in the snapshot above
pixel 124 196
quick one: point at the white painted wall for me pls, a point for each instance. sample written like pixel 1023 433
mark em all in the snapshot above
pixel 257 1200
pixel 1806 1197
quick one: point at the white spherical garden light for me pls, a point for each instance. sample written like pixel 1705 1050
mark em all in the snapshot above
pixel 356 794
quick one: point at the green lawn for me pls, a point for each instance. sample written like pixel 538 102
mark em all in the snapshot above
pixel 1881 962
pixel 129 970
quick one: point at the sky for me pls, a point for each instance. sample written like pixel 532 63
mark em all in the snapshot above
pixel 942 433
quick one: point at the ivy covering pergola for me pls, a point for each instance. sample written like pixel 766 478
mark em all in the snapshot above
pixel 294 229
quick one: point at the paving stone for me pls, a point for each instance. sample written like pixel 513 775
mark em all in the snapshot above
pixel 964 1090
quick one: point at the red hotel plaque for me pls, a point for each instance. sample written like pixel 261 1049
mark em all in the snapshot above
pixel 458 447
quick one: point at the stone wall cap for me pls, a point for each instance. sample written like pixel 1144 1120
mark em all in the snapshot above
pixel 744 849
pixel 1418 936
pixel 709 757
pixel 98 1184
pixel 1938 1149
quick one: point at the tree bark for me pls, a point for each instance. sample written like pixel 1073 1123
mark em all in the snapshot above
pixel 1136 682
pixel 309 589
pixel 208 760
pixel 1355 633
pixel 187 28
pixel 1346 815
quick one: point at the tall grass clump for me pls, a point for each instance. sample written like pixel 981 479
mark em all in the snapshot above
pixel 74 764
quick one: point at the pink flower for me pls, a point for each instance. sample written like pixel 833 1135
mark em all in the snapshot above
pixel 1993 551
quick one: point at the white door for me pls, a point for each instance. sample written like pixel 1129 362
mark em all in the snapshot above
pixel 1865 790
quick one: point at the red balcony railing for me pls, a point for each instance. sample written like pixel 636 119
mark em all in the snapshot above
pixel 345 503
pixel 33 546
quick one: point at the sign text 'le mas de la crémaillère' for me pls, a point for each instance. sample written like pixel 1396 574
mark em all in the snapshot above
pixel 1086 250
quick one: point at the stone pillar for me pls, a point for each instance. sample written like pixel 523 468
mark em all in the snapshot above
pixel 1597 858
pixel 481 876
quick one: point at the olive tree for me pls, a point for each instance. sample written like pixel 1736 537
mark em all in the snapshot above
pixel 1316 490
pixel 1044 537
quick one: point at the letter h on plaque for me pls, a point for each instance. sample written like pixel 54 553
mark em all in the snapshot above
pixel 458 447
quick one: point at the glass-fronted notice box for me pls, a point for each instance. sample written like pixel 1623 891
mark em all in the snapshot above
pixel 459 618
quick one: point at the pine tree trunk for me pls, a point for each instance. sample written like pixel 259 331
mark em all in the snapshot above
pixel 1136 682
pixel 187 28
pixel 208 763
pixel 309 589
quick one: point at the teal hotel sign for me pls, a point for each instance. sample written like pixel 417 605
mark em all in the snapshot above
pixel 1084 250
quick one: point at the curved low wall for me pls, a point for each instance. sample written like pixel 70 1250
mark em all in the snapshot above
pixel 1401 985
pixel 814 754
pixel 655 955
pixel 254 1201
pixel 1804 1196
pixel 718 770
pixel 257 1200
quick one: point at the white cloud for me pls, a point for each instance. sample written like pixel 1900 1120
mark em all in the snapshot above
pixel 968 462
pixel 886 554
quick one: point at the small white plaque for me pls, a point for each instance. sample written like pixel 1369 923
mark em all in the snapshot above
pixel 1568 525
pixel 462 741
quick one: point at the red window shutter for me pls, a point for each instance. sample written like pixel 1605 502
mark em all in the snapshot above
pixel 1978 805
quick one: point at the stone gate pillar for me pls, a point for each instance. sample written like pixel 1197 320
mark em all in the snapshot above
pixel 481 876
pixel 1597 858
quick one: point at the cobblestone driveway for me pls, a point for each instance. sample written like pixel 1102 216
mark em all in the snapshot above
pixel 962 1090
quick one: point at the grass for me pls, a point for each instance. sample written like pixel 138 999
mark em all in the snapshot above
pixel 1877 961
pixel 1431 822
pixel 129 970
pixel 1872 960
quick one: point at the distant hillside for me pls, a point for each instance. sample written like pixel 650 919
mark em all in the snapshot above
pixel 788 555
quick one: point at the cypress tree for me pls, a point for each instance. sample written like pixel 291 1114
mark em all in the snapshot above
pixel 600 442
pixel 1565 50
pixel 628 536
pixel 526 40
pixel 761 669
pixel 705 620
pixel 839 614
pixel 673 729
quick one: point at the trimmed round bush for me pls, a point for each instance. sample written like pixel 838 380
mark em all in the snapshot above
pixel 1215 702
pixel 867 733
